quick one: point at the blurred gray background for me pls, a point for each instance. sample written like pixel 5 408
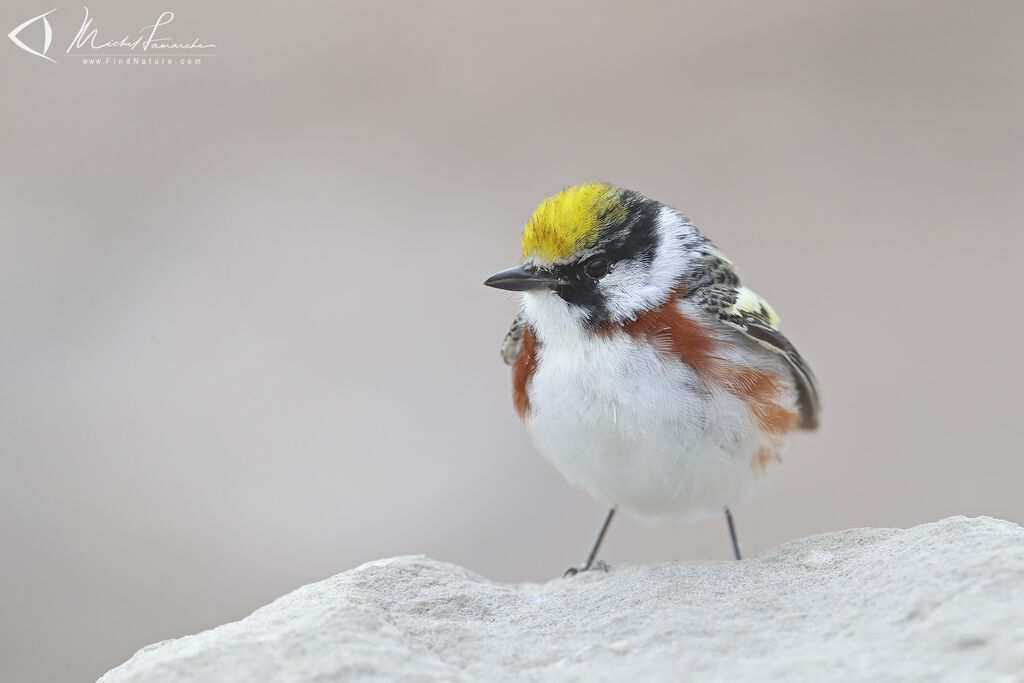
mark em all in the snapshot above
pixel 244 340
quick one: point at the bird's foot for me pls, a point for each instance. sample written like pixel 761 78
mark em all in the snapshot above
pixel 588 566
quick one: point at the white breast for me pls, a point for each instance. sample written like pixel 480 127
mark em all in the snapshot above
pixel 635 427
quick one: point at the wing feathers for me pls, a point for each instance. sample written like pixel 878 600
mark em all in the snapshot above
pixel 513 343
pixel 807 387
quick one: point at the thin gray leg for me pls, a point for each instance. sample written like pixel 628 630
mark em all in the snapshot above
pixel 591 562
pixel 732 534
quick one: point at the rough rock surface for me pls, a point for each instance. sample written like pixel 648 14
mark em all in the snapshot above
pixel 939 602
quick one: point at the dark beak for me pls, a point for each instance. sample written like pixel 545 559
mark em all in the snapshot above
pixel 520 279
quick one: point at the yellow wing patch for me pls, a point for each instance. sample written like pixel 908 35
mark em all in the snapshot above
pixel 751 304
pixel 571 221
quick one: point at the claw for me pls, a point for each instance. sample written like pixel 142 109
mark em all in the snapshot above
pixel 595 564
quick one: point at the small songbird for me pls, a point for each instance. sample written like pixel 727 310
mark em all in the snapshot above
pixel 643 370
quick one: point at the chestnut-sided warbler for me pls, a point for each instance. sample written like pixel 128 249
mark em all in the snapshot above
pixel 644 371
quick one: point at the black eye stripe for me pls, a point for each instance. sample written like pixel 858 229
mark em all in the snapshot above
pixel 633 240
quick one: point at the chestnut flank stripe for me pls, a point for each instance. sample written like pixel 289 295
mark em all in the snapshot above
pixel 522 371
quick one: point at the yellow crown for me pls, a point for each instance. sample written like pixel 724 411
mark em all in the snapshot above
pixel 570 221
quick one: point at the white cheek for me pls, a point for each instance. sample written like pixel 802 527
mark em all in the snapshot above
pixel 622 287
pixel 632 287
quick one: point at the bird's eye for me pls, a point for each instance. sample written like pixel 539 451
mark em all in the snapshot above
pixel 596 269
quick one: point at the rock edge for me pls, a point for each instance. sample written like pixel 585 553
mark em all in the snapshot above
pixel 938 602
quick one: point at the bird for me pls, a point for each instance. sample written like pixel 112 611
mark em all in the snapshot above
pixel 643 370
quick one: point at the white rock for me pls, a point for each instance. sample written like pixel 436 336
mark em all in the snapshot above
pixel 939 602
